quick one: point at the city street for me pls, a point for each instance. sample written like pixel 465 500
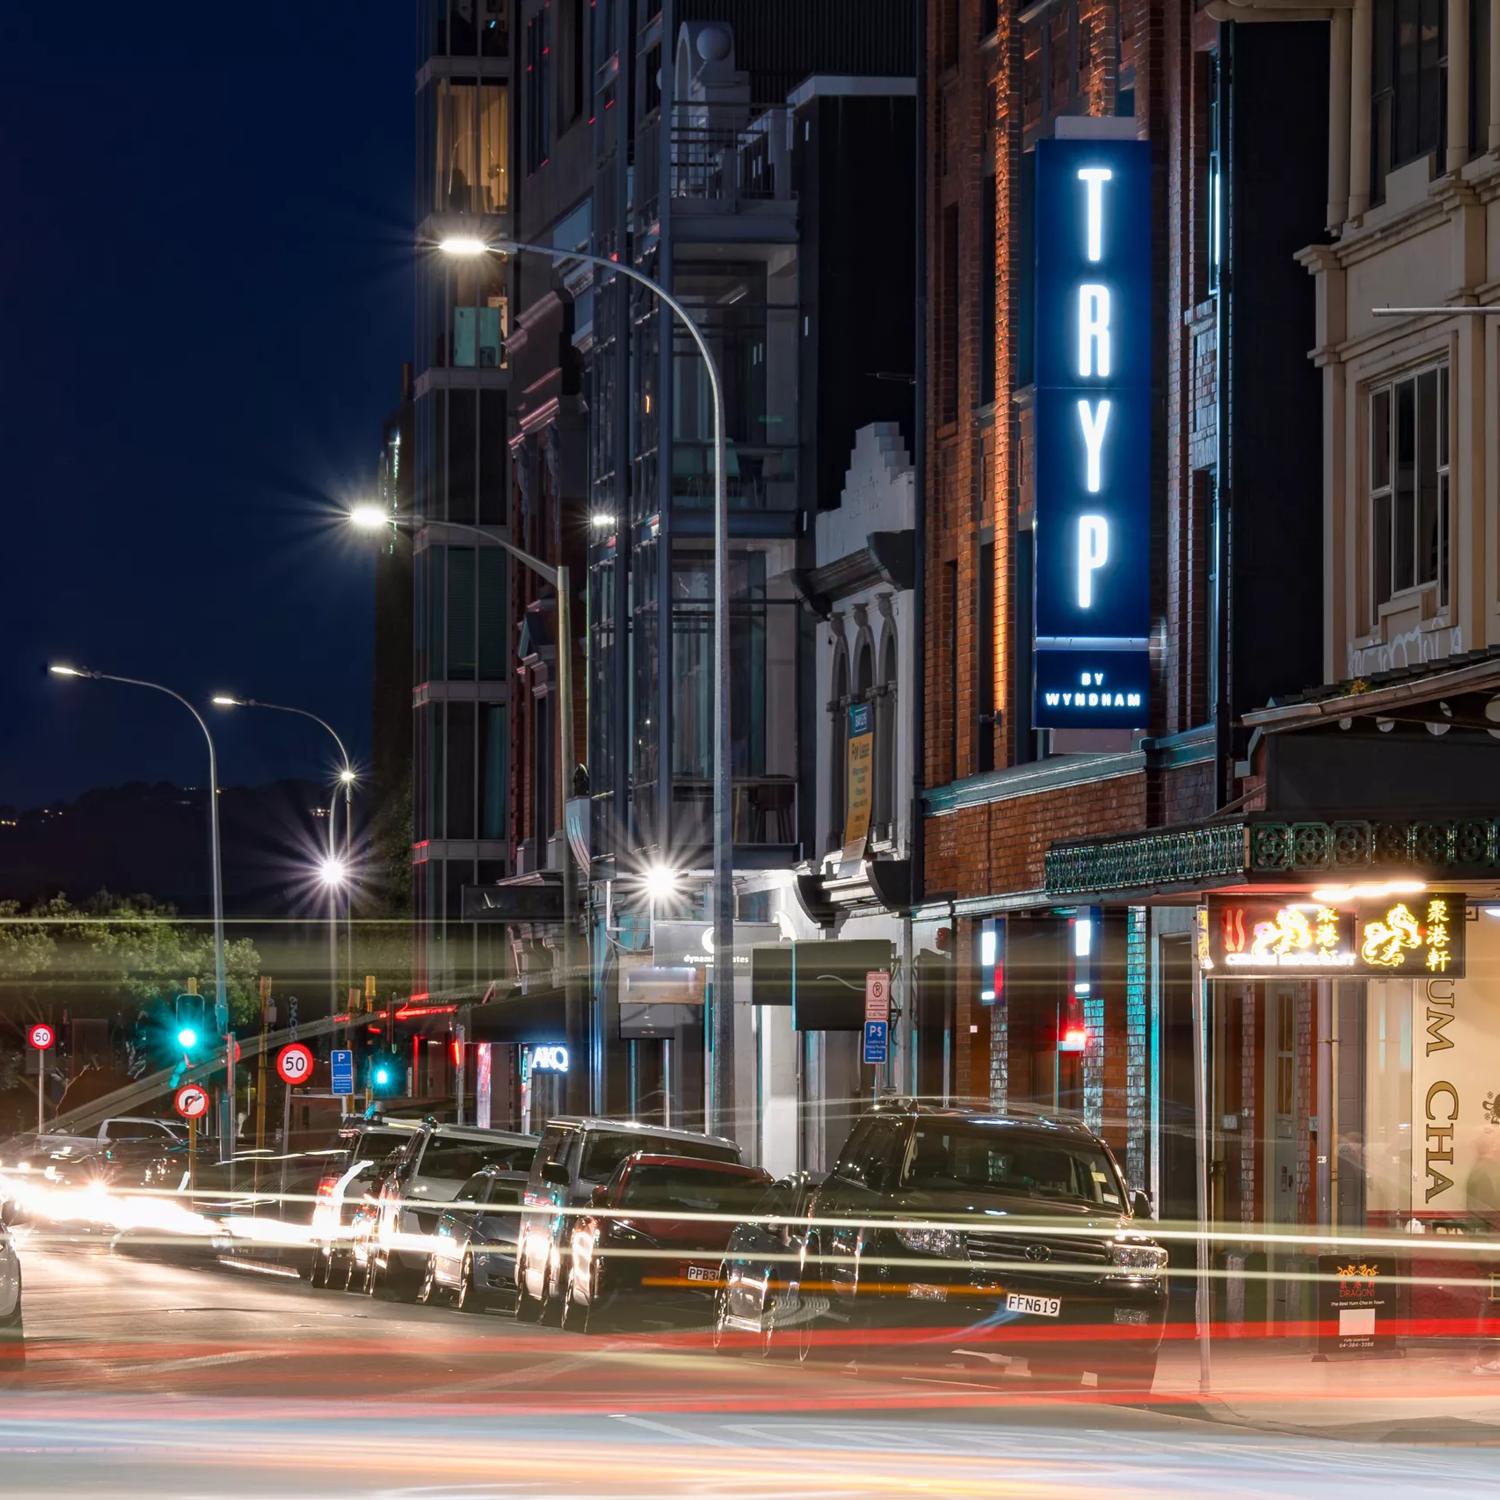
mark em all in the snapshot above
pixel 158 1378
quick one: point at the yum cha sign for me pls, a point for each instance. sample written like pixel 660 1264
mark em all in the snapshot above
pixel 1093 433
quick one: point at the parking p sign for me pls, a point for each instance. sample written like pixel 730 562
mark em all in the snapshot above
pixel 877 1038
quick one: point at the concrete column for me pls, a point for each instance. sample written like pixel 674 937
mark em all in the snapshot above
pixel 1458 82
pixel 1359 109
pixel 1339 43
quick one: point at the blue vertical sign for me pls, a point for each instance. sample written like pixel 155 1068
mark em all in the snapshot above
pixel 341 1066
pixel 1093 433
pixel 877 1042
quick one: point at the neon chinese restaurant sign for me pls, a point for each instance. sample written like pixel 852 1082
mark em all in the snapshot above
pixel 1401 937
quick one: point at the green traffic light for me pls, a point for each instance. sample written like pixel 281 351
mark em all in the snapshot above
pixel 187 1038
pixel 382 1076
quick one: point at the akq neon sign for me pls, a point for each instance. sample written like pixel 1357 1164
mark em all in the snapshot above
pixel 549 1059
pixel 1093 432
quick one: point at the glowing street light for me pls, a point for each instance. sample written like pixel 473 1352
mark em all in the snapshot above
pixel 661 881
pixel 371 518
pixel 466 246
pixel 332 870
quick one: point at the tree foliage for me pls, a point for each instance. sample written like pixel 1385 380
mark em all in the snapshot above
pixel 130 948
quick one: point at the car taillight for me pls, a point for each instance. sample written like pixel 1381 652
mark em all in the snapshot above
pixel 326 1187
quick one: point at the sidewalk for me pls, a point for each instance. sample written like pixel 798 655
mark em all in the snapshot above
pixel 1430 1395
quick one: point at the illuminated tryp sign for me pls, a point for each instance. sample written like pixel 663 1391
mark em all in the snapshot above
pixel 1405 936
pixel 1093 433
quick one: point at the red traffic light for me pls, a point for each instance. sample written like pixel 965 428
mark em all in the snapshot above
pixel 1073 1039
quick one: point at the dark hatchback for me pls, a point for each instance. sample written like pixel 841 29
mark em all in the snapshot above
pixel 1011 1232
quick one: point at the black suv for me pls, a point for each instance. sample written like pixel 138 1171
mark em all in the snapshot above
pixel 1012 1231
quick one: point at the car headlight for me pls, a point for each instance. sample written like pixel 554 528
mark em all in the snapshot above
pixel 1138 1262
pixel 932 1241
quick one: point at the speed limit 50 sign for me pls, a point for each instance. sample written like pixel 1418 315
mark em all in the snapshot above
pixel 294 1063
pixel 41 1036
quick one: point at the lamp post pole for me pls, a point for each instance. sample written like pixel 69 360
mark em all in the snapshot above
pixel 558 577
pixel 719 1111
pixel 336 879
pixel 221 999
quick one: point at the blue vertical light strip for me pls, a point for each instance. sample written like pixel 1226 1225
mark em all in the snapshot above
pixel 1088 1001
pixel 1138 1048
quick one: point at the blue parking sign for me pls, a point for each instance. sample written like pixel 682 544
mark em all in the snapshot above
pixel 876 1037
pixel 341 1065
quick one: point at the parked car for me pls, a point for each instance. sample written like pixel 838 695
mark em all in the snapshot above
pixel 436 1163
pixel 12 1333
pixel 361 1149
pixel 576 1155
pixel 758 1291
pixel 473 1257
pixel 1035 1233
pixel 650 1241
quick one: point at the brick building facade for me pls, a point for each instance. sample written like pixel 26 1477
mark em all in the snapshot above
pixel 1013 960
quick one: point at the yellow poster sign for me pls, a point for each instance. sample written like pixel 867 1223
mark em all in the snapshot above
pixel 859 781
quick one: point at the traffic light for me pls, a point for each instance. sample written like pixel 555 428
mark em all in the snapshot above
pixel 386 1075
pixel 191 1032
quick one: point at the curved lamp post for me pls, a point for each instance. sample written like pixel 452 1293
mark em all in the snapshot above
pixel 720 1101
pixel 376 518
pixel 335 873
pixel 221 999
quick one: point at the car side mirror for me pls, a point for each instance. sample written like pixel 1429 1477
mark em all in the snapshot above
pixel 554 1174
pixel 600 1196
pixel 1140 1204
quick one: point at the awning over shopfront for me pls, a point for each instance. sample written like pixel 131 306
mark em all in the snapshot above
pixel 516 1018
pixel 1386 777
pixel 536 897
pixel 823 982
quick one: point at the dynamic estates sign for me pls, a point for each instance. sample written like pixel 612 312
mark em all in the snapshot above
pixel 1093 433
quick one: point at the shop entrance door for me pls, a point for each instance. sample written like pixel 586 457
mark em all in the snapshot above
pixel 1284 1300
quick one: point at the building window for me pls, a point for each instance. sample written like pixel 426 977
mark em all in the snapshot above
pixel 885 738
pixel 1212 211
pixel 1408 93
pixel 537 74
pixel 988 267
pixel 468 152
pixel 838 740
pixel 948 318
pixel 1409 486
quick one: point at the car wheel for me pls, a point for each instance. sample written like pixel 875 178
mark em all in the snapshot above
pixel 1053 1373
pixel 1131 1379
pixel 802 1338
pixel 575 1319
pixel 552 1292
pixel 467 1298
pixel 425 1292
pixel 528 1308
pixel 13 1343
pixel 721 1311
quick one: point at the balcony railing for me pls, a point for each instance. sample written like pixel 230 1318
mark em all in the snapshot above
pixel 732 154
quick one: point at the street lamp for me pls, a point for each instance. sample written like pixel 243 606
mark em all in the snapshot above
pixel 720 1038
pixel 377 518
pixel 346 780
pixel 221 999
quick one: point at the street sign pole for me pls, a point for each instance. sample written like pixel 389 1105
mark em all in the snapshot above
pixel 41 1037
pixel 192 1158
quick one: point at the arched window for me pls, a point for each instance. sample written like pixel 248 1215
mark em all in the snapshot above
pixel 885 735
pixel 838 745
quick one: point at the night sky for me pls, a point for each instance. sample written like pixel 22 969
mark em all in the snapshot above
pixel 205 299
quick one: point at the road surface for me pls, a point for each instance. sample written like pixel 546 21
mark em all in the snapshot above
pixel 157 1378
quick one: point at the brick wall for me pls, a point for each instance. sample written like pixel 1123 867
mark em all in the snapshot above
pixel 999 846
